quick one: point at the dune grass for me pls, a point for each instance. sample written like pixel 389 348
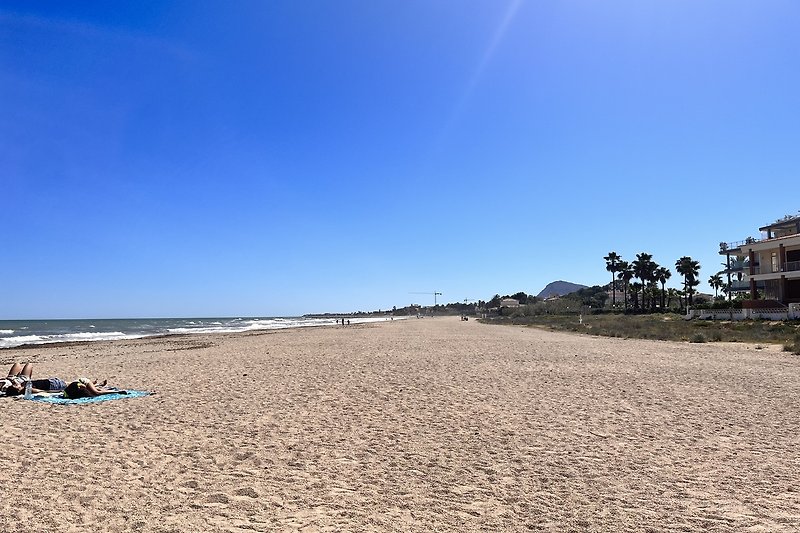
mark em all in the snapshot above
pixel 667 327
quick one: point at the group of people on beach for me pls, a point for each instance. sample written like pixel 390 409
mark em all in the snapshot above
pixel 20 375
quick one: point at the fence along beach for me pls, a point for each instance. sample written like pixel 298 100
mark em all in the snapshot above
pixel 415 425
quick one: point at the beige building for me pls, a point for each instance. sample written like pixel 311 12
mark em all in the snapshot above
pixel 767 268
pixel 509 302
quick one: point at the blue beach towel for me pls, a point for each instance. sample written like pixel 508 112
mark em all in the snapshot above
pixel 47 398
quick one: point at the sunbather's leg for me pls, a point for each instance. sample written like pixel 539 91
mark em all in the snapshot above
pixel 16 368
pixel 27 370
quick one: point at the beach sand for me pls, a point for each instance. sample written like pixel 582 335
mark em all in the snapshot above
pixel 415 425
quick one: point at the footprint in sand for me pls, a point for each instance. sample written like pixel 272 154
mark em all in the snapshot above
pixel 250 492
pixel 217 497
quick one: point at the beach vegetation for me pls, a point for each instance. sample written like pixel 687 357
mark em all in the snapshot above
pixel 625 275
pixel 659 326
pixel 612 265
pixel 649 293
pixel 793 346
pixel 690 270
pixel 716 283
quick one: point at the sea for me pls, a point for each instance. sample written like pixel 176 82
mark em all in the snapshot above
pixel 20 332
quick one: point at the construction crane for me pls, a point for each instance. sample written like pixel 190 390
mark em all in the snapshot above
pixel 435 294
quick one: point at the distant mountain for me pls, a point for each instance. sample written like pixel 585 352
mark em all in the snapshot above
pixel 559 288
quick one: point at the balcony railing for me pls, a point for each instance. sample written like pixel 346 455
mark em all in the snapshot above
pixel 737 286
pixel 724 246
pixel 738 266
pixel 791 266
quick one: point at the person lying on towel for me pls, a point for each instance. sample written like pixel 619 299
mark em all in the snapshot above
pixel 19 375
pixel 85 388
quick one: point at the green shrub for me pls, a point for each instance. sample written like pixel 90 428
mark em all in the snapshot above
pixel 661 326
pixel 793 347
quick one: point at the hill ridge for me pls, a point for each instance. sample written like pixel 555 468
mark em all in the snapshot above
pixel 559 288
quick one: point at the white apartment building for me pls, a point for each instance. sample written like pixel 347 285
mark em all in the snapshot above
pixel 767 268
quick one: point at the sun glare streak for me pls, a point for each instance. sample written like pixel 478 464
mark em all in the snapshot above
pixel 477 74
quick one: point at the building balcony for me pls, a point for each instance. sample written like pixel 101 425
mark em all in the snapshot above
pixel 739 286
pixel 727 247
pixel 785 227
pixel 738 266
pixel 739 247
pixel 791 266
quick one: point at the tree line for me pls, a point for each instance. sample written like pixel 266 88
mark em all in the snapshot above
pixel 650 292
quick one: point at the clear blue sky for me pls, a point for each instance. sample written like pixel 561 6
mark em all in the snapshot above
pixel 284 157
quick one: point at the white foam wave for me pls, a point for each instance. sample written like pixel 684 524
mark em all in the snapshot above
pixel 204 330
pixel 10 342
pixel 237 325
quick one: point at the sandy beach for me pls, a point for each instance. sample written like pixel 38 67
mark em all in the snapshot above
pixel 415 425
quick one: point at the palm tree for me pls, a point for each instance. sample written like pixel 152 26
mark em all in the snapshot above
pixel 643 268
pixel 716 283
pixel 662 275
pixel 689 269
pixel 653 284
pixel 671 293
pixel 625 274
pixel 636 288
pixel 612 265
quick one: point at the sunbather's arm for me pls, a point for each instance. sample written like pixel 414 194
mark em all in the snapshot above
pixel 94 390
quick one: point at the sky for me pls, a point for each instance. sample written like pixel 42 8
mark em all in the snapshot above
pixel 249 158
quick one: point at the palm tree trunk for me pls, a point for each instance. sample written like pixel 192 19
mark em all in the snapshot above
pixel 685 292
pixel 625 294
pixel 613 291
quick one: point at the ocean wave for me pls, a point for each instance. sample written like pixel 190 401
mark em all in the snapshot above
pixel 216 329
pixel 136 329
pixel 10 342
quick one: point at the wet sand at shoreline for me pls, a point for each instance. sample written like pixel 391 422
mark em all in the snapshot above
pixel 416 425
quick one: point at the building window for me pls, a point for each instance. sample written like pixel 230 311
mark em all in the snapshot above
pixel 775 262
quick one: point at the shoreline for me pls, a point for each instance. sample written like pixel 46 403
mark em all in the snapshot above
pixel 130 329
